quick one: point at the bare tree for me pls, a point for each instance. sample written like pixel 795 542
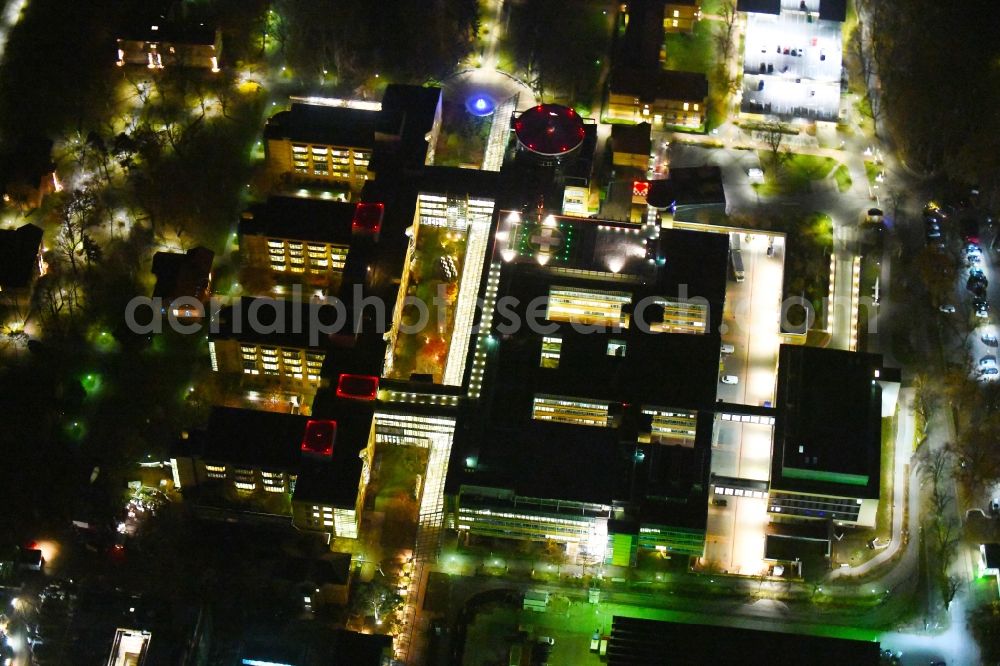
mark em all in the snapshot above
pixel 724 37
pixel 773 135
pixel 949 588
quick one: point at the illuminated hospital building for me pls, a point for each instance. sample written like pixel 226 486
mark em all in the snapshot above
pixel 595 429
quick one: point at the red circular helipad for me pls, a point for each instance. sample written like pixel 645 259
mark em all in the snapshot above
pixel 549 129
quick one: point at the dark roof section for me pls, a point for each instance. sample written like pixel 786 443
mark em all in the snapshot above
pixel 687 186
pixel 300 218
pixel 992 555
pixel 419 107
pixel 169 32
pixel 516 452
pixel 643 37
pixel 654 83
pixel 636 642
pixel 26 162
pixel 267 440
pixel 187 274
pixel 308 643
pixel 19 250
pixel 833 10
pixel 282 323
pixel 333 125
pixel 759 6
pixel 827 435
pixel 632 139
pixel 273 441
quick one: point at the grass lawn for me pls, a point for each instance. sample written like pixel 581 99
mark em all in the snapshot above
pixel 843 178
pixel 794 174
pixel 872 170
pixel 711 6
pixel 693 52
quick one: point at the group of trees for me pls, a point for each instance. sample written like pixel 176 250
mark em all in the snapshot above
pixel 940 84
pixel 560 49
pixel 406 40
pixel 941 528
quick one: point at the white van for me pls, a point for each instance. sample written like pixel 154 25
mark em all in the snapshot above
pixel 728 349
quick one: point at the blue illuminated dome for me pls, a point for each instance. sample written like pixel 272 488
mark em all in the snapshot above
pixel 480 105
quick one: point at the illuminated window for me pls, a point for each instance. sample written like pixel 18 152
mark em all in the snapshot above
pixel 671 426
pixel 680 317
pixel 675 21
pixel 551 348
pixel 586 306
pixel 686 106
pixel 696 107
pixel 616 348
pixel 571 410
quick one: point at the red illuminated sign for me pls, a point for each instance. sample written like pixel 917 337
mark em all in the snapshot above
pixel 358 387
pixel 640 188
pixel 319 437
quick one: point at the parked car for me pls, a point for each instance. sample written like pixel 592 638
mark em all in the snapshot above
pixel 982 308
pixel 947 308
pixel 989 339
pixel 729 379
pixel 989 372
pixel 728 348
pixel 988 361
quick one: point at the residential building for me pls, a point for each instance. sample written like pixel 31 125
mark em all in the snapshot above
pixel 270 344
pixel 166 42
pixel 21 263
pixel 630 147
pixel 601 397
pixel 663 98
pixel 638 642
pixel 185 276
pixel 338 143
pixel 306 240
pixel 681 15
pixel 313 471
pixel 826 459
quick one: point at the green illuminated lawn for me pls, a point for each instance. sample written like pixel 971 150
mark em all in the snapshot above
pixel 843 178
pixel 793 174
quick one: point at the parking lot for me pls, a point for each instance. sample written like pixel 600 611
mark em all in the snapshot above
pixel 792 66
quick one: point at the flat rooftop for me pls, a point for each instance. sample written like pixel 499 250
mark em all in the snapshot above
pixel 641 642
pixel 187 274
pixel 274 441
pixel 687 186
pixel 19 250
pixel 520 436
pixel 827 434
pixel 300 218
pixel 650 84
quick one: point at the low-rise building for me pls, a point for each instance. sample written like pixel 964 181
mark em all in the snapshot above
pixel 274 344
pixel 27 173
pixel 185 276
pixel 663 98
pixel 637 642
pixel 306 240
pixel 630 146
pixel 826 459
pixel 681 15
pixel 20 262
pixel 312 471
pixel 170 43
pixel 689 194
pixel 337 143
